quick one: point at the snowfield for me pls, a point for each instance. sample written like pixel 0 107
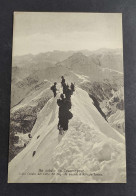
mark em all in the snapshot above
pixel 90 151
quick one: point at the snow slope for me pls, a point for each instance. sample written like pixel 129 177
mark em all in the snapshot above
pixel 90 151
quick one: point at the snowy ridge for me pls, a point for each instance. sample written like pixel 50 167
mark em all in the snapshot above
pixel 90 144
pixel 112 70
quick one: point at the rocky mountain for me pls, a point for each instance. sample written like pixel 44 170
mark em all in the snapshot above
pixel 109 58
pixel 33 76
pixel 90 151
pixel 19 73
pixel 22 88
pixel 80 64
pixel 73 68
pixel 23 116
pixel 40 61
pixel 115 110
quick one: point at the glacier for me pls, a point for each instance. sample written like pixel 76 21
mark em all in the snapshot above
pixel 90 145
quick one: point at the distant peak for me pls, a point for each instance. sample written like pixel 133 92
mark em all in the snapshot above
pixel 77 55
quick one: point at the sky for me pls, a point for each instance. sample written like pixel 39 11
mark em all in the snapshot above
pixel 36 32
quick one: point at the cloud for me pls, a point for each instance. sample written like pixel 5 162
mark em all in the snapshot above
pixel 65 32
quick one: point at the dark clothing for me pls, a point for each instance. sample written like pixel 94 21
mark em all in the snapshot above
pixel 72 87
pixel 68 104
pixel 64 87
pixel 54 89
pixel 64 106
pixel 64 113
pixel 68 93
pixel 54 93
pixel 63 123
pixel 62 81
pixel 69 115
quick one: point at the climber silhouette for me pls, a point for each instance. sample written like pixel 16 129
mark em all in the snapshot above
pixel 63 80
pixel 64 103
pixel 68 92
pixel 64 86
pixel 64 114
pixel 54 89
pixel 72 86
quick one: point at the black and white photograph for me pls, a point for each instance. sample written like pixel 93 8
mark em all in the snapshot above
pixel 67 117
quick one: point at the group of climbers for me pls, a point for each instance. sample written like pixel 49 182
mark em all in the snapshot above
pixel 64 103
pixel 66 90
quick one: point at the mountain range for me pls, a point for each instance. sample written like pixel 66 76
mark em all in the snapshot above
pixel 97 74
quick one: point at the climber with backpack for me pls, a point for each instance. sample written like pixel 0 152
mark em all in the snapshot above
pixel 64 114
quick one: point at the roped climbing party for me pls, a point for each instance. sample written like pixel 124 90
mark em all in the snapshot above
pixel 64 103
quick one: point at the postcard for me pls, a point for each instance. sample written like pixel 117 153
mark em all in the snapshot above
pixel 67 118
